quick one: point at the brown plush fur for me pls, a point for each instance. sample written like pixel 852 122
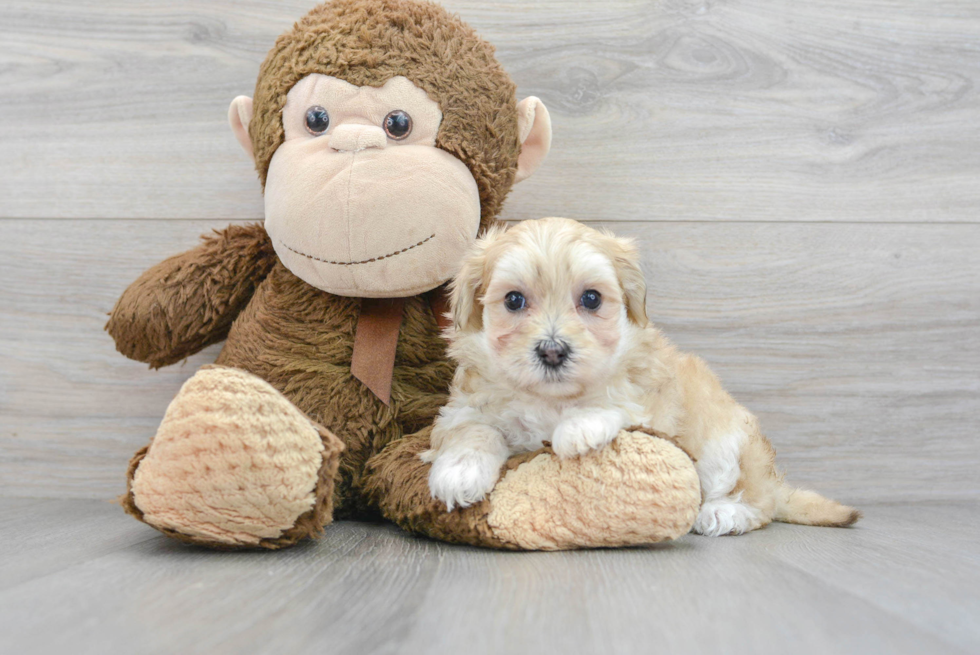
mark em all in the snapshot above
pixel 368 42
pixel 300 340
pixel 285 331
pixel 296 337
pixel 189 301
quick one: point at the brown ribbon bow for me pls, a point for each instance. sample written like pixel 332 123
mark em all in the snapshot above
pixel 376 339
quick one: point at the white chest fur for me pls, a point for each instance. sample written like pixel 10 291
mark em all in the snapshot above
pixel 527 423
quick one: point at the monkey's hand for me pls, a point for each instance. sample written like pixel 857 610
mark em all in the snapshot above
pixel 189 301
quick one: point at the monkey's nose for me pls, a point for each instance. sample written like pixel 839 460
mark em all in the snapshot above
pixel 552 353
pixel 353 138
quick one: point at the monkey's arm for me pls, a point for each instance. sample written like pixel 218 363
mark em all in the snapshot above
pixel 189 301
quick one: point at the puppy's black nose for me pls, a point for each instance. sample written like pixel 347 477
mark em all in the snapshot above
pixel 552 353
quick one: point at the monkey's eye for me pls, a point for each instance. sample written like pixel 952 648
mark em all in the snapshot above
pixel 398 124
pixel 317 120
pixel 591 299
pixel 514 301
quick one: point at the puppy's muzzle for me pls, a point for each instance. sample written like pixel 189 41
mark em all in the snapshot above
pixel 552 353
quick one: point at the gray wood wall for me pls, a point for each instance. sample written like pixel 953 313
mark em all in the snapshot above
pixel 804 178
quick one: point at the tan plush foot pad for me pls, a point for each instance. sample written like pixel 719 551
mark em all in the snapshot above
pixel 640 489
pixel 234 463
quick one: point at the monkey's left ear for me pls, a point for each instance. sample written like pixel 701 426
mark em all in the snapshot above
pixel 534 128
pixel 239 116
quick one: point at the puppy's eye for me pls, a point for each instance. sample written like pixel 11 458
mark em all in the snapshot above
pixel 317 120
pixel 591 299
pixel 514 301
pixel 398 124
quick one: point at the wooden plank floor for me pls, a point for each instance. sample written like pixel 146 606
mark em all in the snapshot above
pixel 80 577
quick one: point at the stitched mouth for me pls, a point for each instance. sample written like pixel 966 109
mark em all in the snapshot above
pixel 363 261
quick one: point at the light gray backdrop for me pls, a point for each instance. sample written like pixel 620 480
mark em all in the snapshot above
pixel 803 178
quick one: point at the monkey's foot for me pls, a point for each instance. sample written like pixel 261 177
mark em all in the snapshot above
pixel 234 464
pixel 639 489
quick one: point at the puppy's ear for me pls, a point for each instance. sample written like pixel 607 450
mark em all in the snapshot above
pixel 468 284
pixel 626 261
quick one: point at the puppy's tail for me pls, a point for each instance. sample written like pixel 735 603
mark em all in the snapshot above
pixel 810 508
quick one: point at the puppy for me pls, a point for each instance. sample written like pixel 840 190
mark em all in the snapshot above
pixel 553 344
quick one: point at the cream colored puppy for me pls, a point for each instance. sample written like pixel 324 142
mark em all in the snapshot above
pixel 553 344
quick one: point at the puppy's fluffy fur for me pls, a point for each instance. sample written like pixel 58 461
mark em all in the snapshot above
pixel 547 364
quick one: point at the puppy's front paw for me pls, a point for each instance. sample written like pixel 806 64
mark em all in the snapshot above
pixel 462 478
pixel 581 434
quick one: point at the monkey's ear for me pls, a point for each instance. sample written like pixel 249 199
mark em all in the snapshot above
pixel 239 116
pixel 534 130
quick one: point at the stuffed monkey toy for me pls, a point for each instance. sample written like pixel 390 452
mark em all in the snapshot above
pixel 386 136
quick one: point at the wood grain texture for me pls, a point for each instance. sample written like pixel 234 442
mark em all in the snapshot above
pixel 42 537
pixel 901 582
pixel 829 110
pixel 855 344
